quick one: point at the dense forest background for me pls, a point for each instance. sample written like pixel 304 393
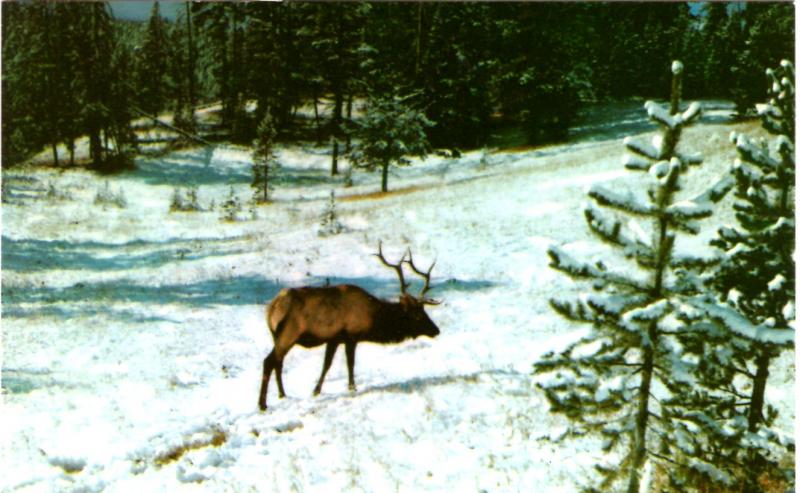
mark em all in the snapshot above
pixel 70 69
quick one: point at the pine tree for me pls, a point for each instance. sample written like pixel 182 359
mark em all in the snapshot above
pixel 751 312
pixel 455 77
pixel 536 88
pixel 181 70
pixel 717 41
pixel 336 42
pixel 36 79
pixel 388 132
pixel 154 59
pixel 612 381
pixel 263 158
pixel 231 207
pixel 99 73
pixel 766 33
pixel 222 24
pixel 329 223
pixel 24 56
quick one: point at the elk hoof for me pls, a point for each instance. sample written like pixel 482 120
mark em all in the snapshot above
pixel 317 391
pixel 352 387
pixel 262 406
pixel 281 395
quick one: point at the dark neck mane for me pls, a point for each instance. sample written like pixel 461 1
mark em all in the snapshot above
pixel 388 324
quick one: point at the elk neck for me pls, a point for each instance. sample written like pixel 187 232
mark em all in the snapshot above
pixel 390 324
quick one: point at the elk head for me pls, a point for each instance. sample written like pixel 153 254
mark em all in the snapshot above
pixel 412 308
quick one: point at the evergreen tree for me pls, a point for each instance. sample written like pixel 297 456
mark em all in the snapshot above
pixel 263 158
pixel 99 81
pixel 329 224
pixel 36 79
pixel 24 89
pixel 337 38
pixel 182 70
pixel 388 132
pixel 607 382
pixel 752 312
pixel 272 73
pixel 456 75
pixel 717 37
pixel 71 97
pixel 766 34
pixel 154 58
pixel 231 207
pixel 539 76
pixel 223 25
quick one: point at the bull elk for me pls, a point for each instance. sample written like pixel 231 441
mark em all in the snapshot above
pixel 312 316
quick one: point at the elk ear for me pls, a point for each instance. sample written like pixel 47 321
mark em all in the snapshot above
pixel 409 302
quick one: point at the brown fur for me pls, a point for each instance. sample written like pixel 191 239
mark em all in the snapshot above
pixel 333 315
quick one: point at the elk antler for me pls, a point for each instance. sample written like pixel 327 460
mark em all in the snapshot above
pixel 398 267
pixel 425 275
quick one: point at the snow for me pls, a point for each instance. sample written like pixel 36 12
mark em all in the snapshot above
pixel 763 332
pixel 776 283
pixel 133 337
pixel 652 151
pixel 690 209
pixel 627 201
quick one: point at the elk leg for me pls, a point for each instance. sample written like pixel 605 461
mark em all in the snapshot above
pixel 269 365
pixel 279 378
pixel 350 350
pixel 330 350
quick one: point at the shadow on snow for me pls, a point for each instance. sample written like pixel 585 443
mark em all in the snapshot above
pixel 245 290
pixel 31 255
pixel 194 169
pixel 388 289
pixel 89 299
pixel 617 119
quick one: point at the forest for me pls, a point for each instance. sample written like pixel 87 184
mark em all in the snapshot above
pixel 71 69
pixel 599 198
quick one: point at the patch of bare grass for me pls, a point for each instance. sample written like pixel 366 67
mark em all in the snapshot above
pixel 216 438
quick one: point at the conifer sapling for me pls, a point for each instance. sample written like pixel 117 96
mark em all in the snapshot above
pixel 606 383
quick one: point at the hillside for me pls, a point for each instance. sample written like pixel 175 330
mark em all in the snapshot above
pixel 133 337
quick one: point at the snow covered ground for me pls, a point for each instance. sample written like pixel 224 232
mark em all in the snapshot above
pixel 133 337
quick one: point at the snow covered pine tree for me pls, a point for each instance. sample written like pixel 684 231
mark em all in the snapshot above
pixel 606 382
pixel 730 431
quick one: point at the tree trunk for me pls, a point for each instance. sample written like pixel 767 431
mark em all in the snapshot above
pixel 335 157
pixel 71 144
pixel 338 97
pixel 266 182
pixel 237 108
pixel 95 148
pixel 349 119
pixel 755 412
pixel 337 125
pixel 418 40
pixel 191 61
pixel 317 124
pixel 385 178
pixel 54 146
pixel 755 416
pixel 639 448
